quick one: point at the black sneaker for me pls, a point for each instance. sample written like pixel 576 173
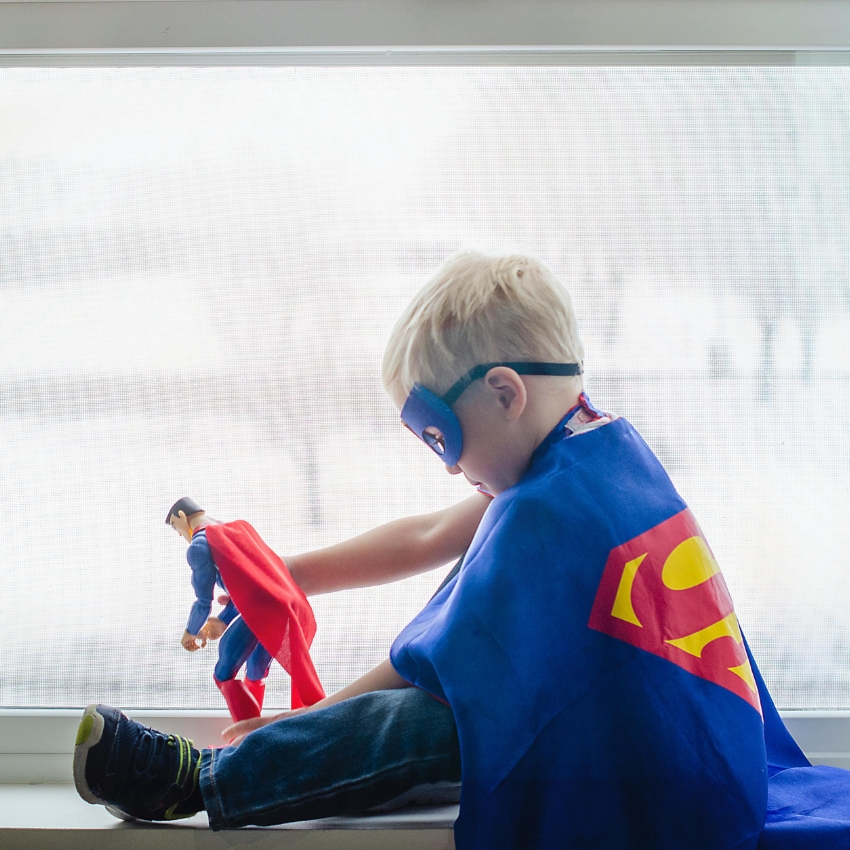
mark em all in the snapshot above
pixel 134 770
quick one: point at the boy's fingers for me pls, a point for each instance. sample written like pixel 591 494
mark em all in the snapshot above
pixel 231 733
pixel 235 733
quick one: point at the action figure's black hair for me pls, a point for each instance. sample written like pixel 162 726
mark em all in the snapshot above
pixel 187 505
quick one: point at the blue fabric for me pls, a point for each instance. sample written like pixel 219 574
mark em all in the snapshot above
pixel 808 808
pixel 345 758
pixel 570 736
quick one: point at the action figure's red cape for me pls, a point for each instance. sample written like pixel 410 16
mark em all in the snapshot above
pixel 270 602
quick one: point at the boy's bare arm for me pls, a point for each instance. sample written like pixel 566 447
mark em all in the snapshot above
pixel 380 678
pixel 390 552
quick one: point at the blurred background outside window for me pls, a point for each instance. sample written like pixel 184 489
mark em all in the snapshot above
pixel 199 269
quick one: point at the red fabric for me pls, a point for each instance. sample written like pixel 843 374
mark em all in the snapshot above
pixel 270 602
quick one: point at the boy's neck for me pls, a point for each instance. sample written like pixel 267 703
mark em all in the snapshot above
pixel 547 407
pixel 544 409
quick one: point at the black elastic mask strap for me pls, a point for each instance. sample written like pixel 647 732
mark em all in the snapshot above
pixel 558 369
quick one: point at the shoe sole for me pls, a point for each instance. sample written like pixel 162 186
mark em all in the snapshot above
pixel 121 814
pixel 89 733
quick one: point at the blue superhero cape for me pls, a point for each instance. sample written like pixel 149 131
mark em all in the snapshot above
pixel 603 692
pixel 808 807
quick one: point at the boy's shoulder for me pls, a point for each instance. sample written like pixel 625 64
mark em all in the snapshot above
pixel 602 477
pixel 583 447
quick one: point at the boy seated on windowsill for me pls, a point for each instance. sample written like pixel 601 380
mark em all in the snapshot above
pixel 583 670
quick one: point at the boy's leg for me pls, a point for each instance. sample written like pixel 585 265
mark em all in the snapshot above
pixel 351 756
pixel 341 759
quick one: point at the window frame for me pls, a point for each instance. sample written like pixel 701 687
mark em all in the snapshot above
pixel 36 744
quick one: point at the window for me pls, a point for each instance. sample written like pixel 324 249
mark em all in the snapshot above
pixel 199 268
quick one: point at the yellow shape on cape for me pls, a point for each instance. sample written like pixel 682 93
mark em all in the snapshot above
pixel 746 673
pixel 695 643
pixel 623 608
pixel 689 564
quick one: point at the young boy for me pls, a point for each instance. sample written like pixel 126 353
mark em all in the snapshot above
pixel 584 664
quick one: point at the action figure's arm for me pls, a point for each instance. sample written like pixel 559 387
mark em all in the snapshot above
pixel 399 549
pixel 203 582
pixel 228 614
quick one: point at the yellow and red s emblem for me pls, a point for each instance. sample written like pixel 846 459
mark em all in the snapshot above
pixel 663 592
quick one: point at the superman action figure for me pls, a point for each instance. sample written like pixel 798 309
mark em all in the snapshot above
pixel 266 615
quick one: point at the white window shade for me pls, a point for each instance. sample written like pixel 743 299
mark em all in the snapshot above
pixel 199 269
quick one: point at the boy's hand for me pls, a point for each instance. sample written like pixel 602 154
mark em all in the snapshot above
pixel 380 678
pixel 213 629
pixel 191 642
pixel 236 733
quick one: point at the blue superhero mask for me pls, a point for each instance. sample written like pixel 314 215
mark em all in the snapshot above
pixel 432 419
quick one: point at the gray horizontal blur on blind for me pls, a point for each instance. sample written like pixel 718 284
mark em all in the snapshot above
pixel 199 269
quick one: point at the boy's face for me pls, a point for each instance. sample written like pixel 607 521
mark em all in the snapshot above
pixel 488 458
pixel 496 451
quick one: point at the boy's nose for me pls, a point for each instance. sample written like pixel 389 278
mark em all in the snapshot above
pixel 453 470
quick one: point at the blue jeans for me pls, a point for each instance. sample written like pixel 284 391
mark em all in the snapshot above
pixel 342 759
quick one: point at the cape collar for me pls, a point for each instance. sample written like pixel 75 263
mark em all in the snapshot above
pixel 587 413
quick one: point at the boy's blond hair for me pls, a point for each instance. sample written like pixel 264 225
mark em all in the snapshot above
pixel 481 309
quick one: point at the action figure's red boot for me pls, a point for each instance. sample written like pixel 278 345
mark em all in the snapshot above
pixel 257 689
pixel 240 701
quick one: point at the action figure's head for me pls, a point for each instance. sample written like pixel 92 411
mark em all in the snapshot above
pixel 480 317
pixel 180 515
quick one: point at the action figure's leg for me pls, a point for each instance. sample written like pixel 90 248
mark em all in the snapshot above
pixel 236 647
pixel 255 673
pixel 345 758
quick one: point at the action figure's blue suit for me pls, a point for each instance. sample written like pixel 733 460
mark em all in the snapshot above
pixel 238 645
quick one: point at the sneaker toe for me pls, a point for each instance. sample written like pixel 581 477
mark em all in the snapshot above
pixel 92 749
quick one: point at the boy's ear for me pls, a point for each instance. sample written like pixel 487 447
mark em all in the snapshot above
pixel 509 390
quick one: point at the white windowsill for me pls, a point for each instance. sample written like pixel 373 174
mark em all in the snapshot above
pixel 45 816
